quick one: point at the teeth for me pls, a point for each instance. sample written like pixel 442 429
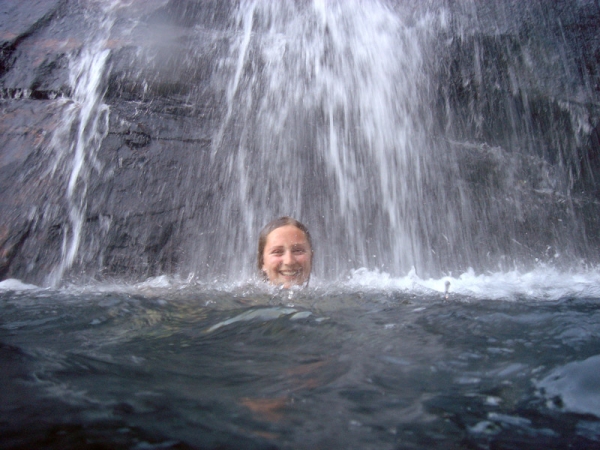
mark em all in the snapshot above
pixel 289 274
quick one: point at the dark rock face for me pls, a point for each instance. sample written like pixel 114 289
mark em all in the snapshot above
pixel 515 115
pixel 137 213
pixel 536 108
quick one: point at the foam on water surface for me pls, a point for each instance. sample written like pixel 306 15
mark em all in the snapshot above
pixel 16 285
pixel 543 283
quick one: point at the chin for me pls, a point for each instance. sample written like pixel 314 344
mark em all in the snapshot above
pixel 297 282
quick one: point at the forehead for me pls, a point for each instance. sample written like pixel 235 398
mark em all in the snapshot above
pixel 286 235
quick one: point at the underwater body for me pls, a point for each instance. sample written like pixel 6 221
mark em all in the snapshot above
pixel 444 156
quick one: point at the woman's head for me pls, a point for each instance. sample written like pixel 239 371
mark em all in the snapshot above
pixel 285 252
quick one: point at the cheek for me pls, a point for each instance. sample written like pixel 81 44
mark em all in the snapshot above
pixel 304 260
pixel 270 261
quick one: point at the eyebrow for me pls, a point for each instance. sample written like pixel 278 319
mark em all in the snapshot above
pixel 298 245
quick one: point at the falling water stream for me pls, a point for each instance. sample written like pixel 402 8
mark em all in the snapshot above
pixel 83 127
pixel 326 119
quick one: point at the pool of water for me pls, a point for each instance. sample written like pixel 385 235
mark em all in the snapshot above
pixel 501 361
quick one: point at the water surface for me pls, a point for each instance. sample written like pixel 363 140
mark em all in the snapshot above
pixel 369 362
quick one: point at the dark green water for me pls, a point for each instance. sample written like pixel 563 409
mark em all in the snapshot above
pixel 205 367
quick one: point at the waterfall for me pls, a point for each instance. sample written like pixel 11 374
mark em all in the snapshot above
pixel 407 137
pixel 433 138
pixel 327 120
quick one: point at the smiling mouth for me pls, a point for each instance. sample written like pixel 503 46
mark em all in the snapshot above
pixel 290 273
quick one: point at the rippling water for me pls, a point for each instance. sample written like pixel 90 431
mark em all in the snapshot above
pixel 506 361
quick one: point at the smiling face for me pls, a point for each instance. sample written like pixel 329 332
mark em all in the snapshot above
pixel 287 256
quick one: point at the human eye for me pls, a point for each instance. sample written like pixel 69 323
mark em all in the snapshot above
pixel 277 251
pixel 299 250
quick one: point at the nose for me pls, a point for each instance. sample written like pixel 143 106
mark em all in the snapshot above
pixel 288 258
